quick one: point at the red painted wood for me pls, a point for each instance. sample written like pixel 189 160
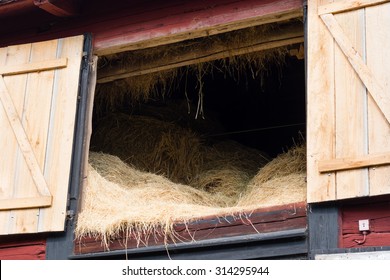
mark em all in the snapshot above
pixel 23 250
pixel 117 21
pixel 271 219
pixel 378 215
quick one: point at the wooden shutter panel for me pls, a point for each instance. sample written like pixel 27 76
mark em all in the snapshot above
pixel 38 98
pixel 348 99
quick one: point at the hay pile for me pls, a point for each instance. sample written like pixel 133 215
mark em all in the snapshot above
pixel 151 145
pixel 281 181
pixel 120 198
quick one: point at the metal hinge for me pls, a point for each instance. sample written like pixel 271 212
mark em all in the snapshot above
pixel 70 215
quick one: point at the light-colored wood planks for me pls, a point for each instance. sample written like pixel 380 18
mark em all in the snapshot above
pixel 378 61
pixel 350 107
pixel 320 109
pixel 204 52
pixel 33 67
pixel 347 5
pixel 45 109
pixel 357 80
pixel 376 90
pixel 38 94
pixel 354 162
pixel 10 153
pixel 61 133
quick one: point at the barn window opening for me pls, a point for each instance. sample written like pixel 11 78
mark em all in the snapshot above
pixel 188 133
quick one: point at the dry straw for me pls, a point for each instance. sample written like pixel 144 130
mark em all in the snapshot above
pixel 150 144
pixel 119 198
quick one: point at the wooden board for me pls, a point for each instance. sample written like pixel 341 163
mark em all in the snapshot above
pixel 379 63
pixel 38 120
pixel 271 219
pixel 320 98
pixel 350 108
pixel 123 25
pixel 348 99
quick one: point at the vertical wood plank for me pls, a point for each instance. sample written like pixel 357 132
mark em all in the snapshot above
pixel 351 108
pixel 10 153
pixel 61 132
pixel 320 110
pixel 378 60
pixel 35 120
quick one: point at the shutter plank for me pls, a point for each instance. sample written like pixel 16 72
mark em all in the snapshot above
pixel 340 164
pixel 35 121
pixel 378 60
pixel 22 139
pixel 34 66
pixel 351 108
pixel 320 121
pixel 61 133
pixel 376 91
pixel 10 150
pixel 347 5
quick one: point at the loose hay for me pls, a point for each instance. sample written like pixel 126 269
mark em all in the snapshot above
pixel 150 145
pixel 119 198
pixel 281 181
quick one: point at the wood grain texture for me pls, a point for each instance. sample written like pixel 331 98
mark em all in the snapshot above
pixel 376 90
pixel 45 105
pixel 347 5
pixel 320 108
pixel 10 154
pixel 350 107
pixel 272 219
pixel 61 132
pixel 378 60
pixel 36 124
pixel 354 162
pixel 33 67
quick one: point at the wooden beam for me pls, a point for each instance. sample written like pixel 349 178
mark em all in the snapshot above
pixel 203 53
pixel 59 8
pixel 353 162
pixel 347 5
pixel 25 203
pixel 196 24
pixel 381 98
pixel 33 67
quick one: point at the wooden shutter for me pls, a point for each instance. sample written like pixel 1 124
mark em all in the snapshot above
pixel 38 98
pixel 348 134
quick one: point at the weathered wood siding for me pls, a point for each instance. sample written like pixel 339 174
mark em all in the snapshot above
pixel 377 213
pixel 33 249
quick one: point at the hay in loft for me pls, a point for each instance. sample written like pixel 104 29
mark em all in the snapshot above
pixel 225 183
pixel 281 181
pixel 150 144
pixel 119 198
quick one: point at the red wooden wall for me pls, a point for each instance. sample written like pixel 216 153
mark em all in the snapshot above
pixel 378 214
pixel 23 247
pixel 116 21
